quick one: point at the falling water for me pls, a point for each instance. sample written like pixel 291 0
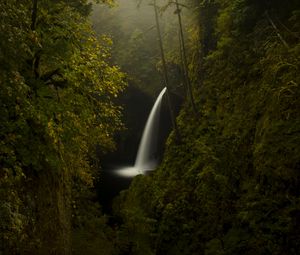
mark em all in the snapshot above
pixel 146 158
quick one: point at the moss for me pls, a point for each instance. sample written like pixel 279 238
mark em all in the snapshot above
pixel 230 185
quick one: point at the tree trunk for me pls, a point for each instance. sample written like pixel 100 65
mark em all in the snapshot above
pixel 185 65
pixel 166 78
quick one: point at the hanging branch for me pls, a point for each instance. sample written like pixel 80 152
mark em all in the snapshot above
pixel 166 78
pixel 185 65
pixel 276 30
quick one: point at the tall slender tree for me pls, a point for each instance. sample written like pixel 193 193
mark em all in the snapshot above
pixel 165 71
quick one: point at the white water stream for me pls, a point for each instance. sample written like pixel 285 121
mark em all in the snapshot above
pixel 146 158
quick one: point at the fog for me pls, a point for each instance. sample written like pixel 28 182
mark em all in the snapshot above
pixel 131 26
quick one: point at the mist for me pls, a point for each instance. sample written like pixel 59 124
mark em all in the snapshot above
pixel 131 26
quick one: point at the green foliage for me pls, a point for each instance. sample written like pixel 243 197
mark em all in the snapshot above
pixel 136 49
pixel 139 228
pixel 57 92
pixel 230 186
pixel 91 234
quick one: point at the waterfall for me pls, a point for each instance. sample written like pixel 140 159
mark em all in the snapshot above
pixel 146 158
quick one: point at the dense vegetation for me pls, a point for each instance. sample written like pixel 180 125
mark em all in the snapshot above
pixel 231 184
pixel 229 181
pixel 57 92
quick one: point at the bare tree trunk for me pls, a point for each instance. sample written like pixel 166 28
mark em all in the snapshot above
pixel 166 78
pixel 185 65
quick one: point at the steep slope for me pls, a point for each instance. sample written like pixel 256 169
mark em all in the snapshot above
pixel 231 184
pixel 56 102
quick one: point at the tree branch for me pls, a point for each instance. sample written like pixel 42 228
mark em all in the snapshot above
pixel 276 30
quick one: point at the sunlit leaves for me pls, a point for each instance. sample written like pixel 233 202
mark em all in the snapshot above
pixel 56 103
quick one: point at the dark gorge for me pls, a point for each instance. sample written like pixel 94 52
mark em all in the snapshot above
pixel 78 80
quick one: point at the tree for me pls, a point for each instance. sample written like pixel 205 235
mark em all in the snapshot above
pixel 57 92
